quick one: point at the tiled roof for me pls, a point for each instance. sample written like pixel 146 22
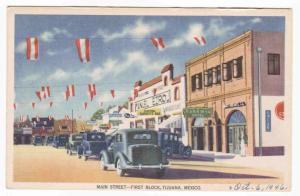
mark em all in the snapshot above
pixel 151 82
pixel 177 79
pixel 167 68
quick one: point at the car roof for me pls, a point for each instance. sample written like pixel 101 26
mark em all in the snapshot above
pixel 134 130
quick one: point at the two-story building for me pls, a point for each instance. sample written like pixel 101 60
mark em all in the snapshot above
pixel 158 103
pixel 226 80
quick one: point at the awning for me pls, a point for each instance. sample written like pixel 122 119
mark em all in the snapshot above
pixel 172 122
pixel 199 122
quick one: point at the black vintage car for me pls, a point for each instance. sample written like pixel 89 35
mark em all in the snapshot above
pixel 60 140
pixel 48 140
pixel 74 142
pixel 171 144
pixel 37 140
pixel 134 149
pixel 92 144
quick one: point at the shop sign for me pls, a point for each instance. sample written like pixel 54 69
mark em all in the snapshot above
pixel 172 108
pixel 268 120
pixel 115 115
pixel 235 105
pixel 198 112
pixel 159 99
pixel 154 111
pixel 279 110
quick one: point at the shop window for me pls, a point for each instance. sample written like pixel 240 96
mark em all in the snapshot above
pixel 227 71
pixel 165 80
pixel 150 123
pixel 273 64
pixel 197 81
pixel 176 94
pixel 238 67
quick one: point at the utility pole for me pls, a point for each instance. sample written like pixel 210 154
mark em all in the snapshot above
pixel 259 50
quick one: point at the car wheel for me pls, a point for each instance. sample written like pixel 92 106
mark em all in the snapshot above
pixel 169 152
pixel 187 152
pixel 79 156
pixel 86 158
pixel 102 163
pixel 120 171
pixel 160 172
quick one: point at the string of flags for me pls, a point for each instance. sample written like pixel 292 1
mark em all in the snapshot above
pixel 83 46
pixel 70 92
pixel 43 93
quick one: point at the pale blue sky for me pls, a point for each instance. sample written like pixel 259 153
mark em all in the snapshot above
pixel 121 53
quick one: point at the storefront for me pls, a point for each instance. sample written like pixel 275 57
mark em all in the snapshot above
pixel 157 104
pixel 225 79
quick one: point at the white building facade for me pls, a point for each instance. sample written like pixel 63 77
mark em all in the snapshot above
pixel 157 104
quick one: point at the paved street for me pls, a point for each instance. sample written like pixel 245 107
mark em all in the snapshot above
pixel 47 164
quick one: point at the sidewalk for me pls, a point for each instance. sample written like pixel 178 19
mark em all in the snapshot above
pixel 274 163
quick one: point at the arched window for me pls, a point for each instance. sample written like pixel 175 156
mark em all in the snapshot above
pixel 165 80
pixel 177 94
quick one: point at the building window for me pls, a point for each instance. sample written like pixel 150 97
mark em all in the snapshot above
pixel 273 64
pixel 193 82
pixel 214 75
pixel 238 67
pixel 198 81
pixel 218 74
pixel 227 71
pixel 208 77
pixel 176 94
pixel 166 81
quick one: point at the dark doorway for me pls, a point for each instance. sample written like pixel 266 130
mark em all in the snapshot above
pixel 198 138
pixel 210 138
pixel 219 138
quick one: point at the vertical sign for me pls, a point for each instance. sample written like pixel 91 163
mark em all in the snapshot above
pixel 268 120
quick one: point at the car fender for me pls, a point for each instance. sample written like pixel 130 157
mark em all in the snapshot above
pixel 106 156
pixel 122 157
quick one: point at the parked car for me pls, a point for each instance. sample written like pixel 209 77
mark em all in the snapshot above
pixel 49 140
pixel 171 144
pixel 134 149
pixel 92 144
pixel 37 140
pixel 73 143
pixel 60 140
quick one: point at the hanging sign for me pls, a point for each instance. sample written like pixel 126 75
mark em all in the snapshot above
pixel 198 112
pixel 154 111
pixel 159 99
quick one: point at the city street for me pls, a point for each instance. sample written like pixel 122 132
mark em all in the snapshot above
pixel 48 164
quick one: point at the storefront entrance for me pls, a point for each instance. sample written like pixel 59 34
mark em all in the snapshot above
pixel 236 129
pixel 198 134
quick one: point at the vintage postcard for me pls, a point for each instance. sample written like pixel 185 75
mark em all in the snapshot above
pixel 149 99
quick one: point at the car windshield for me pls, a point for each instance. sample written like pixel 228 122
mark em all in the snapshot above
pixel 95 137
pixel 77 137
pixel 142 138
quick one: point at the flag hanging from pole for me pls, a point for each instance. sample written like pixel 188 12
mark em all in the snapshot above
pixel 70 92
pixel 200 40
pixel 32 49
pixel 113 93
pixel 158 42
pixel 83 49
pixel 92 91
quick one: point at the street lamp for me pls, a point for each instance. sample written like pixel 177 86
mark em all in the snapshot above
pixel 259 50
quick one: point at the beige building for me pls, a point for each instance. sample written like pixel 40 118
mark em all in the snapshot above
pixel 225 79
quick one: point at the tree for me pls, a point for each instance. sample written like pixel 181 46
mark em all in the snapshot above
pixel 98 114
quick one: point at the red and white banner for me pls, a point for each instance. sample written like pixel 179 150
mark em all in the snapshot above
pixel 85 105
pixel 112 92
pixel 43 93
pixel 15 106
pixel 200 40
pixel 158 42
pixel 70 92
pixel 33 105
pixel 32 49
pixel 92 91
pixel 83 49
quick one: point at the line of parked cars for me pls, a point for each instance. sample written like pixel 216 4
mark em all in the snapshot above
pixel 125 150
